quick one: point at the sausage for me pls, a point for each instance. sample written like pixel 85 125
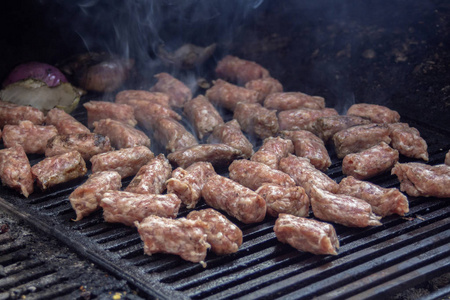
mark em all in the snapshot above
pixel 358 138
pixel 342 209
pixel 384 201
pixel 58 169
pixel 235 199
pixel 306 175
pixel 303 119
pixel 88 144
pixel 306 235
pixel 218 155
pixel 97 110
pixel 272 150
pixel 370 162
pixel 326 127
pixel 15 170
pixel 33 138
pixel 178 92
pixel 147 113
pixel 85 199
pixel 64 123
pixel 290 200
pixel 183 237
pixel 293 100
pixel 264 87
pixel 307 144
pixel 407 141
pixel 254 174
pixel 256 119
pixel 127 208
pixel 187 183
pixel 126 162
pixel 223 236
pixel 376 113
pixel 202 115
pixel 151 177
pixel 239 70
pixel 12 114
pixel 417 179
pixel 121 135
pixel 227 95
pixel 173 135
pixel 231 134
pixel 127 97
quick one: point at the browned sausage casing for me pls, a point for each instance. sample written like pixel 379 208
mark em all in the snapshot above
pixel 202 115
pixel 290 200
pixel 256 119
pixel 15 170
pixel 293 100
pixel 178 92
pixel 227 95
pixel 376 113
pixel 151 177
pixel 85 199
pixel 307 234
pixel 384 201
pixel 272 150
pixel 326 127
pixel 65 123
pixel 173 135
pixel 126 97
pixel 231 134
pixel 407 141
pixel 265 87
pixel 239 70
pixel 183 237
pixel 147 113
pixel 342 209
pixel 12 114
pixel 126 162
pixel 224 236
pixel 32 138
pixel 88 144
pixel 127 208
pixel 254 174
pixel 58 169
pixel 187 183
pixel 303 119
pixel 237 200
pixel 97 110
pixel 121 135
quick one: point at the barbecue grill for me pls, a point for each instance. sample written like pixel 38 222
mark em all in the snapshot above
pixel 392 53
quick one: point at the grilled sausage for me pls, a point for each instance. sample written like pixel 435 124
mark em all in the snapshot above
pixel 228 95
pixel 173 135
pixel 376 113
pixel 264 87
pixel 12 114
pixel 303 119
pixel 239 70
pixel 15 170
pixel 293 100
pixel 326 127
pixel 256 119
pixel 65 123
pixel 290 200
pixel 127 97
pixel 272 150
pixel 121 135
pixel 97 110
pixel 178 92
pixel 32 138
pixel 202 115
pixel 407 141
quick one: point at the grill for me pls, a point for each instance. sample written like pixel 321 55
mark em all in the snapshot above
pixel 373 262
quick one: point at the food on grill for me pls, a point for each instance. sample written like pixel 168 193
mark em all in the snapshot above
pixel 303 119
pixel 384 201
pixel 178 92
pixel 231 134
pixel 88 144
pixel 239 70
pixel 36 70
pixel 151 177
pixel 202 115
pixel 358 138
pixel 85 199
pixel 147 113
pixel 306 175
pixel 65 123
pixel 235 199
pixel 326 127
pixel 307 144
pixel 272 150
pixel 12 114
pixel 32 138
pixel 306 234
pixel 370 162
pixel 342 209
pixel 289 200
pixel 293 100
pixel 127 208
pixel 15 170
pixel 121 135
pixel 447 158
pixel 97 110
pixel 256 119
pixel 254 174
pixel 218 155
pixel 407 141
pixel 376 113
pixel 227 95
pixel 183 237
pixel 171 134
pixel 187 183
pixel 58 169
pixel 126 162
pixel 187 56
pixel 264 86
pixel 223 236
pixel 127 97
pixel 417 179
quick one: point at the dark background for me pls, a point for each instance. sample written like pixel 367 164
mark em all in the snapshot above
pixel 394 53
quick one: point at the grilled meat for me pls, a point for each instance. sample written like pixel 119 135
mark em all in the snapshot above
pixel 272 150
pixel 65 123
pixel 97 110
pixel 171 134
pixel 12 114
pixel 228 95
pixel 265 87
pixel 376 113
pixel 239 70
pixel 293 100
pixel 407 141
pixel 15 170
pixel 121 135
pixel 326 127
pixel 178 92
pixel 256 119
pixel 303 119
pixel 289 200
pixel 202 115
pixel 33 138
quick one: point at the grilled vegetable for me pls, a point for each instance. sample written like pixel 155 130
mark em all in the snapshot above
pixel 36 70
